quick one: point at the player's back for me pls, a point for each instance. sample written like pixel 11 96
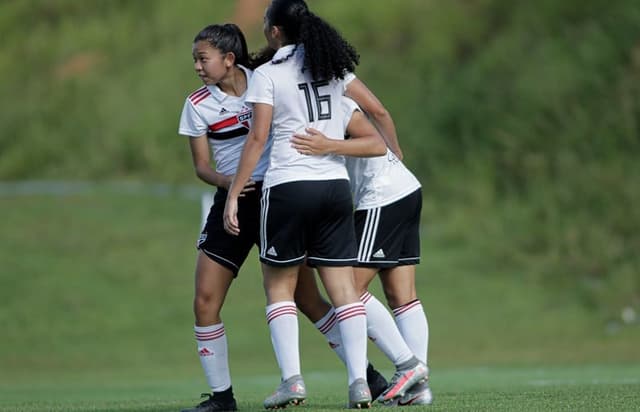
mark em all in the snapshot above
pixel 298 102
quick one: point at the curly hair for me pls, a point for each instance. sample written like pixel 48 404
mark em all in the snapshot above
pixel 327 55
pixel 228 38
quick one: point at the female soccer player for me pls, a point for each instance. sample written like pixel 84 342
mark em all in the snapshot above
pixel 306 204
pixel 388 203
pixel 216 120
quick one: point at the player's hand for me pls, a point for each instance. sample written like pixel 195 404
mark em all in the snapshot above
pixel 311 143
pixel 230 216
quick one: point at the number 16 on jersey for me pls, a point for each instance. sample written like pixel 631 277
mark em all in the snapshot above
pixel 322 101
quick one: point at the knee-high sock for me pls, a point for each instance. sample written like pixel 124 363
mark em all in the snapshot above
pixel 382 330
pixel 328 326
pixel 413 325
pixel 212 348
pixel 352 321
pixel 282 318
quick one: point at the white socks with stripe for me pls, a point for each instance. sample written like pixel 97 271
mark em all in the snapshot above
pixel 383 331
pixel 282 318
pixel 328 326
pixel 352 321
pixel 412 323
pixel 212 348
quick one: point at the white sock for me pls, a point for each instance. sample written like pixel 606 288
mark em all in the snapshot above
pixel 412 323
pixel 328 326
pixel 352 321
pixel 282 318
pixel 212 348
pixel 383 331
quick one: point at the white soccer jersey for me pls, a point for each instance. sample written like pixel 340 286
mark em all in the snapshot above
pixel 225 120
pixel 298 102
pixel 376 181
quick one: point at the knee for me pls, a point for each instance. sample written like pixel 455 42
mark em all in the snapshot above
pixel 204 305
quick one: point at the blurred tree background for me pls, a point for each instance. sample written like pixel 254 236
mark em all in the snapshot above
pixel 520 118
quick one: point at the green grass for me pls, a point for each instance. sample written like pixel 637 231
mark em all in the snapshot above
pixel 96 287
pixel 592 387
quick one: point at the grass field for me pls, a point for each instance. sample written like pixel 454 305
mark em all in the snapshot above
pixel 573 388
pixel 96 288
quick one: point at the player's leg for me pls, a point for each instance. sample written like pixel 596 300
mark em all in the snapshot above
pixel 381 328
pixel 320 312
pixel 219 259
pixel 400 290
pixel 332 249
pixel 212 282
pixel 282 318
pixel 352 323
pixel 281 253
pixel 380 235
pixel 399 282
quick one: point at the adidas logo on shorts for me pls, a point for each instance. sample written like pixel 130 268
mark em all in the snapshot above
pixel 272 251
pixel 379 254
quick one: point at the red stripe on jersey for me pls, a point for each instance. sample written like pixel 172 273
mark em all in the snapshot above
pixel 200 97
pixel 198 92
pixel 230 121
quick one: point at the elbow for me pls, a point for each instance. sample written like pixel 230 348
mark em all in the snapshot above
pixel 379 113
pixel 201 171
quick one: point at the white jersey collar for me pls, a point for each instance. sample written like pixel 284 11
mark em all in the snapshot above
pixel 284 51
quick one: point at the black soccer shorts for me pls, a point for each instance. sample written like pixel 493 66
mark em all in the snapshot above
pixel 389 236
pixel 308 219
pixel 228 250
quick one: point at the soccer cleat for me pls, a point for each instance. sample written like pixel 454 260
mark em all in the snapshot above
pixel 377 382
pixel 418 394
pixel 214 404
pixel 359 395
pixel 290 392
pixel 403 379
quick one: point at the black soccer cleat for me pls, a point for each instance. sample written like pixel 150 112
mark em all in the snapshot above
pixel 214 403
pixel 377 382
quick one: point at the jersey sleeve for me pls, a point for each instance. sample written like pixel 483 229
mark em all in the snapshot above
pixel 260 89
pixel 191 122
pixel 348 78
pixel 348 106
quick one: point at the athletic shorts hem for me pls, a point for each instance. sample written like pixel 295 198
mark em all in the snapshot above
pixel 316 261
pixel 381 265
pixel 282 263
pixel 222 261
pixel 408 261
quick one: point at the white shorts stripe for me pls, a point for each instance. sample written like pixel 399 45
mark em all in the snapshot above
pixel 369 234
pixel 264 209
pixel 363 239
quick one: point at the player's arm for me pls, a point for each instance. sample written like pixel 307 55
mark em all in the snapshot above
pixel 253 148
pixel 201 157
pixel 378 114
pixel 365 140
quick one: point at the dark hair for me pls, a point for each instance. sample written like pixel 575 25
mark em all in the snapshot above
pixel 228 38
pixel 326 53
